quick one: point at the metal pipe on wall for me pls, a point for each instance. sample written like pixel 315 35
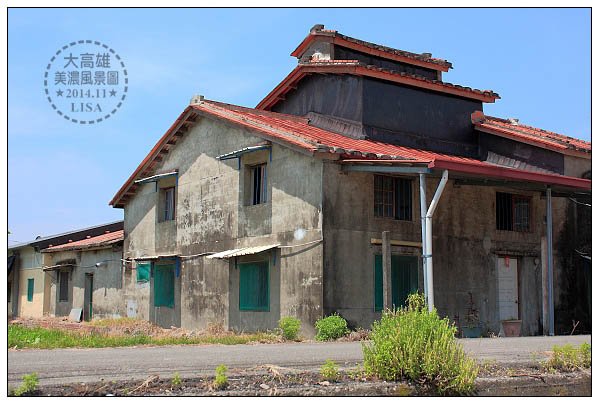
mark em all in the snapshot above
pixel 423 228
pixel 550 304
pixel 429 239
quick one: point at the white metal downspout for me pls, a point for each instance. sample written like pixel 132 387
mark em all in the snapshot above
pixel 423 228
pixel 429 239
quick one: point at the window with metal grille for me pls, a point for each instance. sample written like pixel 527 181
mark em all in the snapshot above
pixel 169 203
pixel 30 289
pixel 259 184
pixel 393 197
pixel 63 286
pixel 512 212
pixel 164 285
pixel 254 286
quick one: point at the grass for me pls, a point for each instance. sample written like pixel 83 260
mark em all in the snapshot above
pixel 568 358
pixel 42 338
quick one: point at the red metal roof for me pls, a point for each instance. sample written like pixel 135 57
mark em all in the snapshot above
pixel 512 129
pixel 294 131
pixel 102 240
pixel 358 68
pixel 418 59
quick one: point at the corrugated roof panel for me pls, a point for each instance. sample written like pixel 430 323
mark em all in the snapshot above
pixel 243 251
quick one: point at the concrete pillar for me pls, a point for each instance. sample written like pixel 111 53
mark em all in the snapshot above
pixel 386 270
pixel 544 284
pixel 550 263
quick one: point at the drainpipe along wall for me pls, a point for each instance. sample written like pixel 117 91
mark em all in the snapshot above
pixel 429 240
pixel 423 228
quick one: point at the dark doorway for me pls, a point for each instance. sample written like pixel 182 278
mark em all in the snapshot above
pixel 88 297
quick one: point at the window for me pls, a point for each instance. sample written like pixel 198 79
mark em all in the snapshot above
pixel 512 212
pixel 169 203
pixel 63 286
pixel 404 279
pixel 259 184
pixel 254 286
pixel 393 197
pixel 143 271
pixel 30 289
pixel 164 285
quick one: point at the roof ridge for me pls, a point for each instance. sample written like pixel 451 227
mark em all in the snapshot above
pixel 397 73
pixel 545 131
pixel 254 110
pixel 385 48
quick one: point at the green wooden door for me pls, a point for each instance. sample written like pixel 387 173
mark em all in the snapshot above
pixel 404 279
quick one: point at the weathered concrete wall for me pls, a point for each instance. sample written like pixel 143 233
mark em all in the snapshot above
pixel 29 267
pixel 466 245
pixel 212 215
pixel 107 296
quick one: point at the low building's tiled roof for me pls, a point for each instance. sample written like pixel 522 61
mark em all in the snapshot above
pixel 358 68
pixel 513 129
pixel 418 59
pixel 102 240
pixel 294 131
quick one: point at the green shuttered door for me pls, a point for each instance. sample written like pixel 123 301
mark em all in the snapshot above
pixel 254 286
pixel 404 279
pixel 164 285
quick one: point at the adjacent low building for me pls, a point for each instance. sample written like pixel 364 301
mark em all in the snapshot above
pixel 87 275
pixel 29 286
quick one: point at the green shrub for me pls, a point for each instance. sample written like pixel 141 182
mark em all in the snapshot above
pixel 331 327
pixel 290 327
pixel 221 380
pixel 569 358
pixel 416 344
pixel 330 371
pixel 29 385
pixel 176 382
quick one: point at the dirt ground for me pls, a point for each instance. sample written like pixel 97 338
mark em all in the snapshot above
pixel 272 380
pixel 117 327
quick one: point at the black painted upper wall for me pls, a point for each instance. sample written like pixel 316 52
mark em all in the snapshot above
pixel 537 156
pixel 342 53
pixel 389 112
pixel 334 95
pixel 436 121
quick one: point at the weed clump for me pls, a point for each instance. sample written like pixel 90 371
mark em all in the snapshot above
pixel 176 382
pixel 290 327
pixel 331 327
pixel 221 381
pixel 416 344
pixel 568 358
pixel 329 371
pixel 29 385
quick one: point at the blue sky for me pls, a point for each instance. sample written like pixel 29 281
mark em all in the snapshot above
pixel 62 175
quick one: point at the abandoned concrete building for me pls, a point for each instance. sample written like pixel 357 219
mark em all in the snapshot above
pixel 339 191
pixel 31 271
pixel 86 276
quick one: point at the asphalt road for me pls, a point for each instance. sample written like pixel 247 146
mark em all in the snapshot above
pixel 61 366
